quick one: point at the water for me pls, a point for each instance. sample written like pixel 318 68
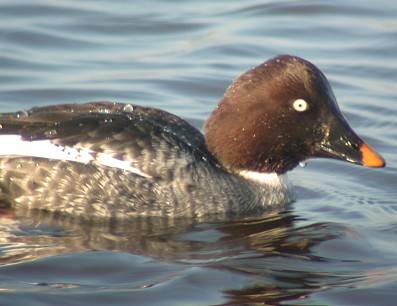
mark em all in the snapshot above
pixel 335 246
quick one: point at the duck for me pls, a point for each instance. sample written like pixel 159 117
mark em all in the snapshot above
pixel 118 160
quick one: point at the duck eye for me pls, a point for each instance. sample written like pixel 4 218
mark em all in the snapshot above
pixel 300 105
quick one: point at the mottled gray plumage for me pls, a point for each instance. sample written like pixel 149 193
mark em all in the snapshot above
pixel 183 177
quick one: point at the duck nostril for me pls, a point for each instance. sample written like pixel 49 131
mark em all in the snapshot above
pixel 355 146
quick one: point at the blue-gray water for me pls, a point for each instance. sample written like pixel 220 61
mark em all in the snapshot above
pixel 335 246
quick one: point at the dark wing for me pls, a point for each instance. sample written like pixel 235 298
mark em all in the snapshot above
pixel 155 141
pixel 163 154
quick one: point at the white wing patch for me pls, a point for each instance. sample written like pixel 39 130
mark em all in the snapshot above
pixel 14 145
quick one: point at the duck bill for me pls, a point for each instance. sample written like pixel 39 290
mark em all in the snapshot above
pixel 342 143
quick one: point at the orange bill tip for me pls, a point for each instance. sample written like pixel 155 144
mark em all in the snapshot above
pixel 370 158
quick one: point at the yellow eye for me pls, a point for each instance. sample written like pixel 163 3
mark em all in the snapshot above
pixel 300 105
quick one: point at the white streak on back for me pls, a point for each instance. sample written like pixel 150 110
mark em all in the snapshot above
pixel 14 145
pixel 106 160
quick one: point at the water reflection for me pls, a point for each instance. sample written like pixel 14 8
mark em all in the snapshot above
pixel 277 259
pixel 180 56
pixel 176 239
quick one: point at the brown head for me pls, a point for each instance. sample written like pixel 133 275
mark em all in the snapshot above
pixel 278 114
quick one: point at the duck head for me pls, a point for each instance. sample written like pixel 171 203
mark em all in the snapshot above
pixel 279 114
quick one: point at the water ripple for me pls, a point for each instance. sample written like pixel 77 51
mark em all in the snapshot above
pixel 336 240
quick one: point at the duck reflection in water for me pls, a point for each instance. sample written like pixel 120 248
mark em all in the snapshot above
pixel 271 249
